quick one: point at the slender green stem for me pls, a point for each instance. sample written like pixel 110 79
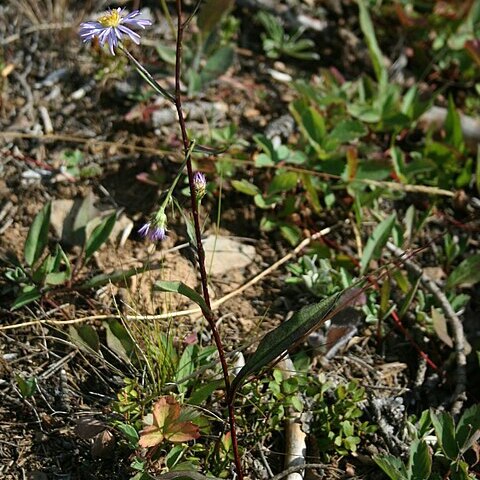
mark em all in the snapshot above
pixel 198 234
pixel 145 74
pixel 177 178
pixel 166 12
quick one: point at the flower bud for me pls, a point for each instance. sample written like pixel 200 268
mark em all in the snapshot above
pixel 155 230
pixel 200 185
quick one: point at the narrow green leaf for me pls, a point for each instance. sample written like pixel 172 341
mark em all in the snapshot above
pixel 477 172
pixel 100 235
pixel 310 120
pixel 185 367
pixel 37 238
pixel 104 278
pixel 182 289
pixel 192 238
pixel 375 53
pixel 347 131
pixel 420 461
pixel 39 274
pixel 467 272
pixel 57 277
pixel 453 127
pixel 208 150
pixel 85 213
pixel 392 466
pixel 291 233
pixel 167 54
pixel 185 475
pixel 278 341
pixel 29 294
pixel 312 194
pixel 445 431
pixel 409 298
pixel 377 241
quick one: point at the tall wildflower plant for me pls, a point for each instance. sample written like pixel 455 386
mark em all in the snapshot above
pixel 112 29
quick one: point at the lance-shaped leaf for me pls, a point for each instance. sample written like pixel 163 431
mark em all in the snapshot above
pixel 37 238
pixel 104 278
pixel 209 150
pixel 167 422
pixel 182 289
pixel 377 241
pixel 278 341
pixel 100 235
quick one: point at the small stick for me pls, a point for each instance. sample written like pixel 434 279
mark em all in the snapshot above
pixel 191 311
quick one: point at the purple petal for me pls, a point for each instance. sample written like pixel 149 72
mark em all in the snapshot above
pixel 143 230
pixel 133 14
pixel 157 234
pixel 135 37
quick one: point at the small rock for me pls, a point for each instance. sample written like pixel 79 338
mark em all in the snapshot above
pixel 227 254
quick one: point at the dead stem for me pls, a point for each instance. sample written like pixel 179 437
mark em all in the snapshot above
pixel 459 395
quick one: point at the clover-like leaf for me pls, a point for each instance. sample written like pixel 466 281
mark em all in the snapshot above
pixel 169 422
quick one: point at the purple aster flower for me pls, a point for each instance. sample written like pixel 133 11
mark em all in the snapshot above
pixel 152 232
pixel 200 184
pixel 157 234
pixel 113 26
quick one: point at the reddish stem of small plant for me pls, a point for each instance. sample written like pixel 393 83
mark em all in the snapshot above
pixel 198 235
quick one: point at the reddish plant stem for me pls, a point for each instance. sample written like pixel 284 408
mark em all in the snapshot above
pixel 198 235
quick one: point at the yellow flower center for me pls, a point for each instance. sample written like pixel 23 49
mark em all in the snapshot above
pixel 110 19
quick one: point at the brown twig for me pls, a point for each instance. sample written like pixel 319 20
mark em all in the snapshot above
pixel 423 189
pixel 459 395
pixel 191 311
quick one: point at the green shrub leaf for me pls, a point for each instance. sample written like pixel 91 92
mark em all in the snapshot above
pixel 420 461
pixel 468 428
pixel 445 431
pixel 467 272
pixel 246 187
pixel 392 466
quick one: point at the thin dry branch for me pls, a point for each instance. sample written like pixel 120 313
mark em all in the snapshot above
pixel 214 305
pixel 424 189
pixel 459 395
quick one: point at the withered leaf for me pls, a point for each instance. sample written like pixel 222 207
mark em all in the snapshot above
pixel 169 422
